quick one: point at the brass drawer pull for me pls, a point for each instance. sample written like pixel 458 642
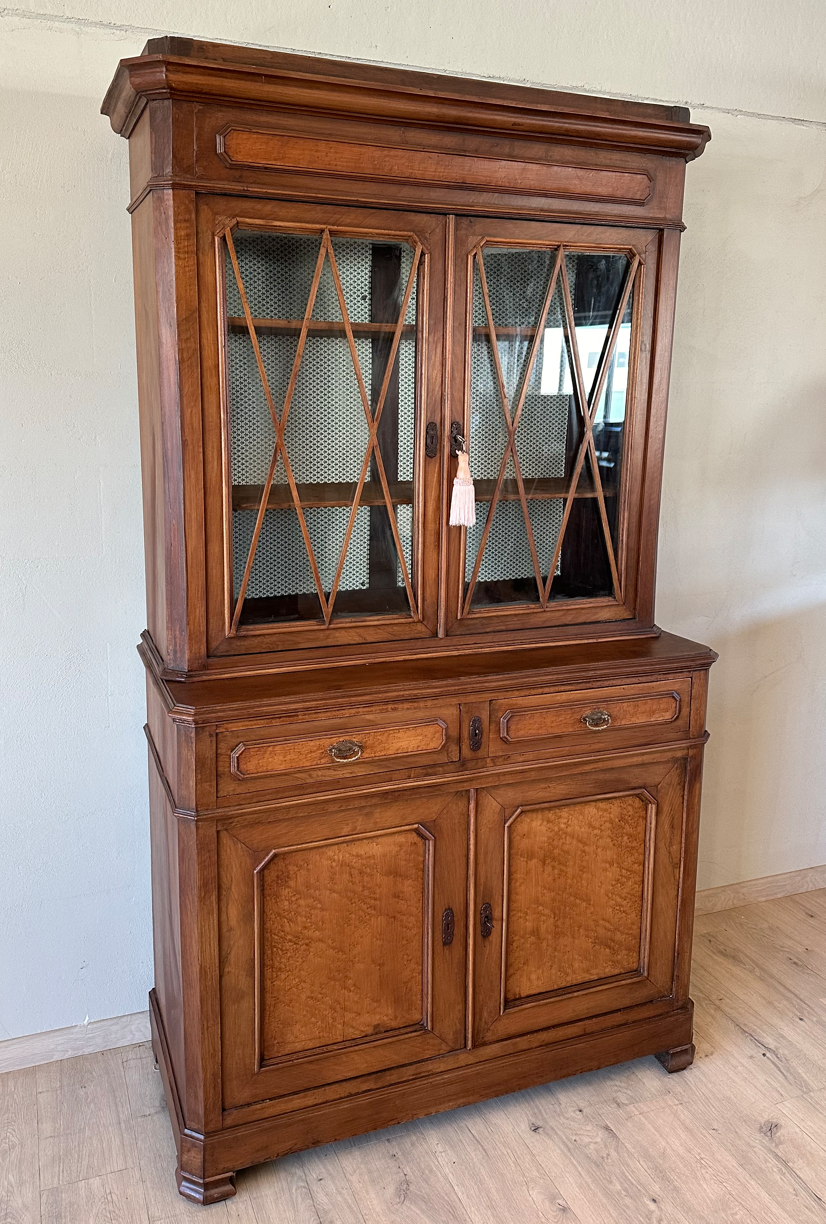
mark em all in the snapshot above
pixel 346 750
pixel 596 720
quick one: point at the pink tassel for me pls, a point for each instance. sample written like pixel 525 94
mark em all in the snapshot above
pixel 463 501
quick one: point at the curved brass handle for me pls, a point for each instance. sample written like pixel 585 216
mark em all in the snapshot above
pixel 596 720
pixel 346 750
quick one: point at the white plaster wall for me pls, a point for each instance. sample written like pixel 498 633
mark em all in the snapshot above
pixel 743 541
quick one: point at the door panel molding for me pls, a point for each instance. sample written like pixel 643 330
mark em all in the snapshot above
pixel 646 873
pixel 423 1024
pixel 647 897
pixel 386 1003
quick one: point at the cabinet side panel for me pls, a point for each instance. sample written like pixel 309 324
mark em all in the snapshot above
pixel 149 399
pixel 166 922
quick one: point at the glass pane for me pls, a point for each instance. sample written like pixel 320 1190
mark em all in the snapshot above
pixel 326 433
pixel 584 570
pixel 598 282
pixel 550 426
pixel 517 282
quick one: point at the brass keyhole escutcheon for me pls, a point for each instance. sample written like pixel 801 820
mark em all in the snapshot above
pixel 448 926
pixel 486 920
pixel 431 440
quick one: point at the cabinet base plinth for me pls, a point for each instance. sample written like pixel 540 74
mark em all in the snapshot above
pixel 205 1190
pixel 219 1153
pixel 676 1059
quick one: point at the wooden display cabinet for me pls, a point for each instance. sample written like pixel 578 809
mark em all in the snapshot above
pixel 424 798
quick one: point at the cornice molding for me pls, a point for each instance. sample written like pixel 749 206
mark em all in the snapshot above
pixel 421 100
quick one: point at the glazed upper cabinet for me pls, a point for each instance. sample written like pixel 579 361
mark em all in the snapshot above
pixel 350 353
pixel 341 280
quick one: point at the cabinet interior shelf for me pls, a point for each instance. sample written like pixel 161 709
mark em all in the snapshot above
pixel 318 327
pixel 330 327
pixel 248 497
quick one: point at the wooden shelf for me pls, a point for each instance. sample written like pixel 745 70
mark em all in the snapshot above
pixel 329 327
pixel 248 497
pixel 292 327
pixel 535 490
pixel 507 333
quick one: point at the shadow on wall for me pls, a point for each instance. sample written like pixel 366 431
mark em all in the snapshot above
pixel 764 805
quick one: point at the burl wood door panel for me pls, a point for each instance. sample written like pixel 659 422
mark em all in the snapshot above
pixel 576 892
pixel 334 961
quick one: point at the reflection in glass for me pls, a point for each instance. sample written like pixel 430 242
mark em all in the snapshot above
pixel 327 433
pixel 549 430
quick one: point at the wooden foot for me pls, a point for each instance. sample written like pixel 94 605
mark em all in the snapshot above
pixel 208 1190
pixel 677 1059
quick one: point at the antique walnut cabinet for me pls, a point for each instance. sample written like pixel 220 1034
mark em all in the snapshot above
pixel 424 798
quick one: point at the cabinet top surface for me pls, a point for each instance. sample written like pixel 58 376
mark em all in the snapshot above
pixel 546 666
pixel 218 73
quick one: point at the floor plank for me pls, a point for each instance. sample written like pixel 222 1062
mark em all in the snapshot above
pixel 395 1177
pixel 309 1188
pixel 491 1168
pixel 114 1198
pixel 84 1121
pixel 679 1152
pixel 332 1195
pixel 600 1178
pixel 19 1165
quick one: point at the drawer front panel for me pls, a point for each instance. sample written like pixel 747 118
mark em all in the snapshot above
pixel 654 711
pixel 343 746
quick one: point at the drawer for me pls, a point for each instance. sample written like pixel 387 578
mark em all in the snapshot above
pixel 633 712
pixel 340 746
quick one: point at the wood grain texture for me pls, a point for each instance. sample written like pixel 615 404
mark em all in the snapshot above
pixel 576 894
pixel 331 948
pixel 19 1164
pixel 273 756
pixel 261 148
pixel 84 1120
pixel 634 705
pixel 568 882
pixel 112 1198
pixel 344 943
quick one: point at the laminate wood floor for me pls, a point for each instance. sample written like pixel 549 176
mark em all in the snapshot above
pixel 740 1136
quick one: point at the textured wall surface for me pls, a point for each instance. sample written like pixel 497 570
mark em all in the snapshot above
pixel 743 541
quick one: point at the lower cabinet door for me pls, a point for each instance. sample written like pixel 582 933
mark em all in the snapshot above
pixel 342 940
pixel 577 882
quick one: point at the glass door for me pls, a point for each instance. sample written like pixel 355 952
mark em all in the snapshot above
pixel 325 406
pixel 553 390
